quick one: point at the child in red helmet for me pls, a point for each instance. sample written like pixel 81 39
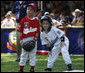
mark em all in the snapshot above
pixel 29 29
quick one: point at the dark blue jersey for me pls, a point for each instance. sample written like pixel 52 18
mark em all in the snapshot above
pixel 20 9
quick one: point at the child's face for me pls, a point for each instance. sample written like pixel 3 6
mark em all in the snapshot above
pixel 45 24
pixel 30 10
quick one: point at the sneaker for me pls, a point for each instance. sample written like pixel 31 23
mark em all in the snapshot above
pixel 48 70
pixel 69 67
pixel 20 71
pixel 31 70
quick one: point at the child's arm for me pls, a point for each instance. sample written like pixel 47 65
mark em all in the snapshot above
pixel 21 39
pixel 38 32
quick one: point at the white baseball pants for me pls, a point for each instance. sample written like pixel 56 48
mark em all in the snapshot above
pixel 55 52
pixel 31 55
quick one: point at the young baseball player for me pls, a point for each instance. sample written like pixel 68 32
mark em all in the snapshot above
pixel 19 11
pixel 56 41
pixel 29 29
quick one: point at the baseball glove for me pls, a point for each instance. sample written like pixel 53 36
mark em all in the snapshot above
pixel 29 45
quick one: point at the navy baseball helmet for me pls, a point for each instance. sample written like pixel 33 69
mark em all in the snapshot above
pixel 46 18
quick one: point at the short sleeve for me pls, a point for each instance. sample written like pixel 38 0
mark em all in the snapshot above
pixel 38 27
pixel 59 32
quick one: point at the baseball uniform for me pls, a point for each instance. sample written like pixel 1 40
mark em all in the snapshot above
pixel 53 34
pixel 29 28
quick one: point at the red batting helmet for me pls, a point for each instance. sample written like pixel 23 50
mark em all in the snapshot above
pixel 33 5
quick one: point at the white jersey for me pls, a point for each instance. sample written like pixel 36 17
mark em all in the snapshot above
pixel 51 36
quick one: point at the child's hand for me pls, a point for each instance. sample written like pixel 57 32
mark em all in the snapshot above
pixel 49 53
pixel 48 45
pixel 62 44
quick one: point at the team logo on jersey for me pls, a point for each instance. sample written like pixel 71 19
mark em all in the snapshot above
pixel 59 32
pixel 26 24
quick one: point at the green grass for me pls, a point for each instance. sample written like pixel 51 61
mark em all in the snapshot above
pixel 8 63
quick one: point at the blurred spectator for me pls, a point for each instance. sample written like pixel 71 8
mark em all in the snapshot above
pixel 46 6
pixel 78 19
pixel 64 24
pixel 8 22
pixel 55 22
pixel 40 14
pixel 68 20
pixel 65 20
pixel 57 14
pixel 62 7
pixel 57 7
pixel 5 7
pixel 11 16
pixel 61 18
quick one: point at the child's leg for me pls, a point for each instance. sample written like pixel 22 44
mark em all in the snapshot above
pixel 65 53
pixel 32 57
pixel 66 56
pixel 52 57
pixel 23 59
